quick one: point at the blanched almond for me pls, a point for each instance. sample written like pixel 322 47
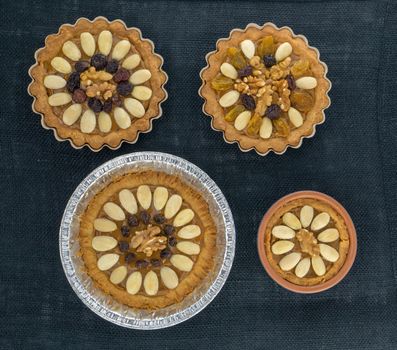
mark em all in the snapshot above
pixel 283 51
pixel 328 253
pixel 295 117
pixel 320 221
pixel 283 232
pixel 266 128
pixel 128 201
pixel 169 277
pixel 181 262
pixel 302 268
pixel 306 83
pixel 328 235
pixel 173 205
pixel 107 261
pixel 189 232
pixel 114 211
pixel 103 243
pixel 189 248
pixel 134 282
pixel 151 283
pixel 160 197
pixel 318 265
pixel 248 48
pixel 87 42
pixel 142 93
pixel 105 41
pixel 144 196
pixel 282 247
pixel 183 217
pixel 140 76
pixel 61 65
pixel 242 120
pixel 104 225
pixel 71 114
pixel 59 99
pixel 118 275
pixel 104 122
pixel 71 51
pixel 122 118
pixel 121 49
pixel 229 71
pixel 88 121
pixel 292 221
pixel 306 215
pixel 54 82
pixel 289 261
pixel 131 62
pixel 229 98
pixel 134 107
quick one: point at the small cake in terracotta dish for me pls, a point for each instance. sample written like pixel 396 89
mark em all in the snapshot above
pixel 97 83
pixel 265 88
pixel 307 242
pixel 148 239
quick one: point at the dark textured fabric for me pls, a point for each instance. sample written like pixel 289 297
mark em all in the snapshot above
pixel 352 157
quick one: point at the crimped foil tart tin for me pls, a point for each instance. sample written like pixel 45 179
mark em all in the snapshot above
pixel 104 305
pixel 203 89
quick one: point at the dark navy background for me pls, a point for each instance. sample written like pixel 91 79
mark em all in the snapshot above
pixel 352 158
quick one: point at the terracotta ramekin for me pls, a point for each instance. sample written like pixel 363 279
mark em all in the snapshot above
pixel 350 255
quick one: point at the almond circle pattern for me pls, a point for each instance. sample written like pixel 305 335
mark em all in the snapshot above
pixel 183 217
pixel 131 62
pixel 107 261
pixel 282 247
pixel 173 205
pixel 320 221
pixel 169 277
pixel 104 225
pixel 134 282
pixel 302 268
pixel 181 262
pixel 229 98
pixel 189 232
pixel 144 196
pixel 283 232
pixel 289 261
pixel 103 243
pixel 54 82
pixel 292 221
pixel 151 283
pixel 128 201
pixel 160 197
pixel 71 114
pixel 61 65
pixel 142 93
pixel 104 122
pixel 122 118
pixel 328 235
pixel 134 107
pixel 328 253
pixel 59 99
pixel 114 211
pixel 105 41
pixel 140 76
pixel 88 122
pixel 87 42
pixel 118 275
pixel 306 215
pixel 189 248
pixel 318 265
pixel 121 49
pixel 71 51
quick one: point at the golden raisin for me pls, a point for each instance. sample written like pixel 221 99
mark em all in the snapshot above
pixel 254 125
pixel 222 83
pixel 236 58
pixel 232 114
pixel 301 100
pixel 281 126
pixel 300 68
pixel 265 46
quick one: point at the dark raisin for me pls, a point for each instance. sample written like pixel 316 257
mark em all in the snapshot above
pixel 112 66
pixel 169 230
pixel 159 219
pixel 273 111
pixel 79 96
pixel 107 105
pixel 73 82
pixel 81 66
pixel 95 104
pixel 245 72
pixel 98 61
pixel 141 264
pixel 124 246
pixel 172 241
pixel 116 100
pixel 121 75
pixel 155 262
pixel 125 231
pixel 145 217
pixel 129 257
pixel 291 82
pixel 248 102
pixel 133 220
pixel 124 88
pixel 165 254
pixel 269 60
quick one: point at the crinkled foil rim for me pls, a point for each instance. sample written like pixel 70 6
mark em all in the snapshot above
pixel 104 305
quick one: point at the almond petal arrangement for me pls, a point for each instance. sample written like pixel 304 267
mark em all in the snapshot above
pixel 265 88
pixel 98 83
